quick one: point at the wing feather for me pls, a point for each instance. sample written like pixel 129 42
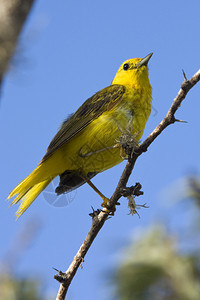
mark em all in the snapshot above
pixel 91 109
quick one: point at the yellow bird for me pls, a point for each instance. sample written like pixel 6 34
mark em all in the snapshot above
pixel 85 145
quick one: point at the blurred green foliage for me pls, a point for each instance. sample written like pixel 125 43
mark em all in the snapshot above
pixel 155 267
pixel 12 288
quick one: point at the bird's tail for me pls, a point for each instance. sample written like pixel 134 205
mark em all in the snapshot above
pixel 28 190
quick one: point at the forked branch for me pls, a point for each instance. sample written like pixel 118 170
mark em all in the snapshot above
pixel 100 217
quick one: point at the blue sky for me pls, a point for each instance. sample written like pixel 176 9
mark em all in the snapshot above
pixel 68 51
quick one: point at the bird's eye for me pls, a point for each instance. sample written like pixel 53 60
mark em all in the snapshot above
pixel 126 67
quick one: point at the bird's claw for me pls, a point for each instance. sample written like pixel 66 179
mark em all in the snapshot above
pixel 107 209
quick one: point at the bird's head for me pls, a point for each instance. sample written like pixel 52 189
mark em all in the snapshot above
pixel 133 72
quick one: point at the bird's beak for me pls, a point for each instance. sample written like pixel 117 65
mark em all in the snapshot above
pixel 145 60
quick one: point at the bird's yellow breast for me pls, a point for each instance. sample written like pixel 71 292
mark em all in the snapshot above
pixel 88 152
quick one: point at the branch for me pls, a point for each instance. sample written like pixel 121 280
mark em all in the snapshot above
pixel 13 14
pixel 100 218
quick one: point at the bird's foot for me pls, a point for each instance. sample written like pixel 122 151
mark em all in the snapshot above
pixel 107 209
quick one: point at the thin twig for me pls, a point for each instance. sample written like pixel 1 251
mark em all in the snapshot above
pixel 99 220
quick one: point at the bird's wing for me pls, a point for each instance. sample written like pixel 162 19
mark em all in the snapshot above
pixel 92 108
